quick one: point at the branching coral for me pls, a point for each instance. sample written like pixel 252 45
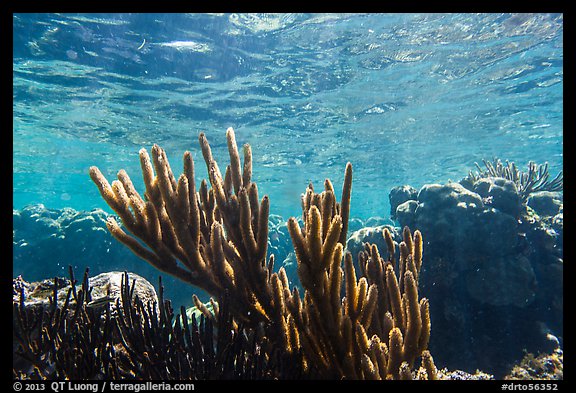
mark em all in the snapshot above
pixel 398 311
pixel 216 239
pixel 139 341
pixel 71 341
pixel 380 324
pixel 536 179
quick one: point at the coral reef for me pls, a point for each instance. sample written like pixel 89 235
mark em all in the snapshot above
pixel 337 308
pixel 493 263
pixel 79 238
pixel 216 239
pixel 141 340
pixel 83 234
pixel 72 339
pixel 545 366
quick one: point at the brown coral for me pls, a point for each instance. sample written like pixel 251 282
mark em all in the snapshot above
pixel 216 239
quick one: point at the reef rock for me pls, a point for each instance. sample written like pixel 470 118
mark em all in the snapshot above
pixel 448 210
pixel 459 375
pixel 503 282
pixel 545 366
pixel 355 224
pixel 545 203
pixel 456 218
pixel 399 195
pixel 492 266
pixel 46 241
pixel 374 221
pixel 373 235
pixel 105 289
pixel 500 194
pixel 405 212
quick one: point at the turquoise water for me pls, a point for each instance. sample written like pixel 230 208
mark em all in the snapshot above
pixel 407 98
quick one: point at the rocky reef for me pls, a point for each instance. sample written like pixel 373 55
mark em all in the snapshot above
pixel 118 310
pixel 321 296
pixel 46 241
pixel 494 266
pixel 545 366
pixel 353 323
pixel 128 337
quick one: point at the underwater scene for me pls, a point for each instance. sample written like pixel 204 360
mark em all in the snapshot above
pixel 288 196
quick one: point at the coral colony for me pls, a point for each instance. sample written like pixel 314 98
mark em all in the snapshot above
pixel 536 179
pixel 348 317
pixel 349 323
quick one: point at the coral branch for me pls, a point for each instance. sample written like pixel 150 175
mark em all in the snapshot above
pixel 365 323
pixel 536 179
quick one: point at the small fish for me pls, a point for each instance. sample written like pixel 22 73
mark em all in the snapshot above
pixel 101 302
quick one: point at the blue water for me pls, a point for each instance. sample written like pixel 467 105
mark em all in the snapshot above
pixel 407 98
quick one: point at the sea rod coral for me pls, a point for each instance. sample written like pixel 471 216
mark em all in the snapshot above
pixel 216 239
pixel 536 179
pixel 130 338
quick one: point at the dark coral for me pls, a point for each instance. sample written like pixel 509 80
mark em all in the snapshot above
pixel 141 341
pixel 493 263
